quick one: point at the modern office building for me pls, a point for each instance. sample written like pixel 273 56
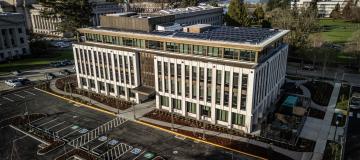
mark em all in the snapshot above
pixel 325 7
pixel 13 40
pixel 225 75
pixel 196 15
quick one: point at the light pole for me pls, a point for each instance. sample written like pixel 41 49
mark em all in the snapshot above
pixel 204 126
pixel 337 123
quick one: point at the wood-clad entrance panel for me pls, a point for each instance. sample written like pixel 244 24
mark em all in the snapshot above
pixel 147 69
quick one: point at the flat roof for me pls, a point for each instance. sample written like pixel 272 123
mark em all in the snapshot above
pixel 247 36
pixel 187 9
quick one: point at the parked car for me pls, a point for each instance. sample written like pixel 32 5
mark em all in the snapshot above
pixel 24 81
pixel 55 64
pixel 64 72
pixel 13 83
pixel 355 101
pixel 308 67
pixel 49 76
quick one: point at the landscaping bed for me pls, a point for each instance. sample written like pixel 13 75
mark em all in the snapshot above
pixel 267 153
pixel 332 151
pixel 290 87
pixel 78 153
pixel 343 99
pixel 315 113
pixel 63 84
pixel 165 116
pixel 320 92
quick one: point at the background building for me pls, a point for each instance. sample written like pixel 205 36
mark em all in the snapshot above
pixel 47 26
pixel 195 15
pixel 13 40
pixel 41 24
pixel 325 7
pixel 226 75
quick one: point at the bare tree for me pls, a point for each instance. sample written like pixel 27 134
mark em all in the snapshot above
pixel 353 46
pixel 316 41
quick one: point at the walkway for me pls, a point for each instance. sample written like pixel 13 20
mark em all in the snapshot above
pixel 144 108
pixel 325 124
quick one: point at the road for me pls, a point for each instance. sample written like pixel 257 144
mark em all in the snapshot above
pixel 332 73
pixel 33 75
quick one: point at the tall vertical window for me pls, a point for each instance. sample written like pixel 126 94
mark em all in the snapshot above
pixel 191 107
pixel 227 78
pixel 244 82
pixel 164 101
pixel 193 73
pixel 221 115
pixel 209 74
pixel 218 76
pixel 205 111
pixel 176 104
pixel 238 119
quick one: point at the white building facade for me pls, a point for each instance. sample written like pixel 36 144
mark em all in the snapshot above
pixel 13 38
pixel 325 7
pixel 225 81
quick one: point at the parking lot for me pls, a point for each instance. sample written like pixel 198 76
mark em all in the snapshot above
pixel 352 148
pixel 107 137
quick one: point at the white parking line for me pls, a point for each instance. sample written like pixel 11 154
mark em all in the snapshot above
pixel 9 99
pixel 56 124
pixel 71 133
pixel 64 128
pixel 30 93
pixel 139 155
pixel 18 95
pixel 99 145
pixel 47 122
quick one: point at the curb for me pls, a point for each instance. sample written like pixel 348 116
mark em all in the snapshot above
pixel 153 126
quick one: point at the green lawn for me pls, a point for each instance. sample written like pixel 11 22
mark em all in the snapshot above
pixel 35 62
pixel 337 31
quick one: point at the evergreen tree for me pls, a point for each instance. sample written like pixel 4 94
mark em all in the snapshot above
pixel 335 13
pixel 214 3
pixel 259 14
pixel 237 14
pixel 346 12
pixel 188 3
pixel 73 13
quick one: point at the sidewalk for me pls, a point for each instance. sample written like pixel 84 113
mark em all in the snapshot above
pixel 144 108
pixel 326 124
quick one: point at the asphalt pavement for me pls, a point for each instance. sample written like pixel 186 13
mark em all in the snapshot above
pixel 70 121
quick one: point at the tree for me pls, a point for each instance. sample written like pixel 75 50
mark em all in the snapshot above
pixel 346 12
pixel 259 14
pixel 353 46
pixel 237 14
pixel 283 4
pixel 188 3
pixel 316 41
pixel 335 13
pixel 301 25
pixel 72 13
pixel 214 3
pixel 355 14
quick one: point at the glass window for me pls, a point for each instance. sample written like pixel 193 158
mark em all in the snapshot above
pixel 218 76
pixel 172 47
pixel 164 101
pixel 205 111
pixel 128 41
pixel 198 50
pixel 221 115
pixel 176 104
pixel 227 78
pixel 191 107
pixel 235 80
pixel 185 48
pixel 238 119
pixel 213 52
pixel 154 45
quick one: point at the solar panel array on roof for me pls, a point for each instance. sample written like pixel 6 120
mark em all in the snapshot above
pixel 218 33
pixel 228 34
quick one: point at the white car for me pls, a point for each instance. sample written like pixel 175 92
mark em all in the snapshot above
pixel 13 83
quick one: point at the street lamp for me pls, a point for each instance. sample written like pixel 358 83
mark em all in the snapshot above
pixel 337 123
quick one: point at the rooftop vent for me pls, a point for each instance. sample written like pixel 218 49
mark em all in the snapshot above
pixel 197 28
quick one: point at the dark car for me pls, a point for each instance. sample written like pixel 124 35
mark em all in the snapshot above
pixel 24 81
pixel 49 76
